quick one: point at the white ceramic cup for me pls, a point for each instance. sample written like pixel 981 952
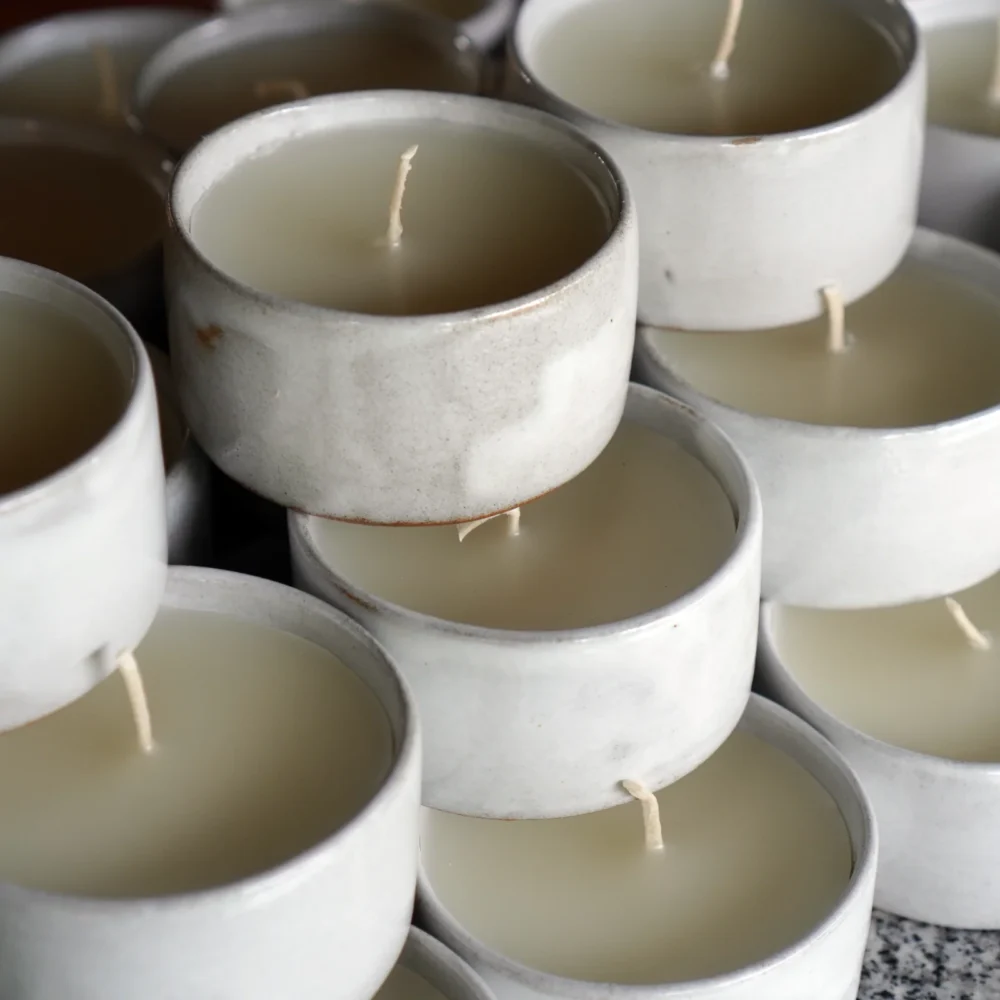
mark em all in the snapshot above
pixel 327 925
pixel 542 724
pixel 960 189
pixel 862 517
pixel 839 200
pixel 287 396
pixel 939 859
pixel 824 965
pixel 441 968
pixel 83 551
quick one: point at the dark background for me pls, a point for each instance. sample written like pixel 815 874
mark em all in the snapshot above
pixel 15 12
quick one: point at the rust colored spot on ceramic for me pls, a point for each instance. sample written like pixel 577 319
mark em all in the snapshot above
pixel 208 335
pixel 750 140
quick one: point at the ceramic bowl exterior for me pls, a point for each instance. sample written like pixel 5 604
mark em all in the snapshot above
pixel 361 417
pixel 442 968
pixel 83 562
pixel 859 517
pixel 839 200
pixel 327 925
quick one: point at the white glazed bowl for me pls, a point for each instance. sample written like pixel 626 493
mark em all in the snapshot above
pixel 278 394
pixel 938 819
pixel 740 232
pixel 442 968
pixel 327 925
pixel 82 552
pixel 861 517
pixel 824 965
pixel 650 697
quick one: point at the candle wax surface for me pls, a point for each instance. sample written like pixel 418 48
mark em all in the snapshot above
pixel 924 348
pixel 645 63
pixel 403 984
pixel 960 60
pixel 756 855
pixel 486 218
pixel 266 746
pixel 220 87
pixel 61 391
pixel 83 214
pixel 905 675
pixel 645 524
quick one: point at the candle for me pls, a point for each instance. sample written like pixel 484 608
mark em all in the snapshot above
pixel 81 491
pixel 81 66
pixel 864 456
pixel 759 176
pixel 265 846
pixel 438 352
pixel 768 864
pixel 427 970
pixel 621 577
pixel 909 699
pixel 229 67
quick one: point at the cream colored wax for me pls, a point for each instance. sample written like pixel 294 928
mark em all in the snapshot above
pixel 923 348
pixel 756 855
pixel 224 85
pixel 961 60
pixel 61 391
pixel 84 214
pixel 403 984
pixel 906 675
pixel 797 64
pixel 645 524
pixel 486 218
pixel 265 746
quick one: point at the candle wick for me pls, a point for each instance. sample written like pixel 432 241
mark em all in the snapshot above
pixel 836 337
pixel 108 81
pixel 266 90
pixel 650 813
pixel 129 670
pixel 727 43
pixel 513 524
pixel 394 234
pixel 976 638
pixel 993 95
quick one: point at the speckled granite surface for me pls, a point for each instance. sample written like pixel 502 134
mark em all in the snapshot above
pixel 911 961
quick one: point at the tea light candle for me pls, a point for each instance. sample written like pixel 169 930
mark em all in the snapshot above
pixel 622 577
pixel 81 491
pixel 864 457
pixel 231 66
pixel 959 190
pixel 763 887
pixel 480 362
pixel 799 168
pixel 911 704
pixel 81 66
pixel 427 970
pixel 266 847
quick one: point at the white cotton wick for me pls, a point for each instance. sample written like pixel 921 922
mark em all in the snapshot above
pixel 975 637
pixel 650 813
pixel 836 337
pixel 727 43
pixel 394 233
pixel 129 670
pixel 513 524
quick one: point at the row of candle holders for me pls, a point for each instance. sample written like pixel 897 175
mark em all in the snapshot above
pixel 391 312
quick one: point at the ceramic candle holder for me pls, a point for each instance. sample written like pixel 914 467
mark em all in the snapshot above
pixel 823 965
pixel 327 925
pixel 663 690
pixel 739 232
pixel 960 187
pixel 486 25
pixel 937 818
pixel 441 968
pixel 84 550
pixel 284 397
pixel 53 68
pixel 863 517
pixel 188 473
pixel 252 32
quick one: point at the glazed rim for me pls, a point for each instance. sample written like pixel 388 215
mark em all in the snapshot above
pixel 240 594
pixel 944 766
pixel 323 114
pixel 70 298
pixel 436 963
pixel 903 38
pixel 955 256
pixel 765 719
pixel 229 31
pixel 729 470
